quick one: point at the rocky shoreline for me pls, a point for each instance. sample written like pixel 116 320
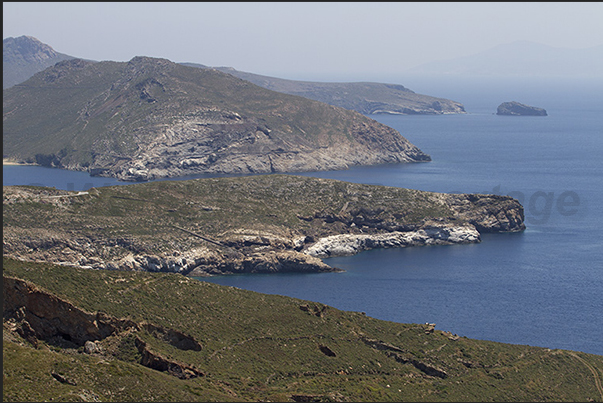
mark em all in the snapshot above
pixel 273 238
pixel 346 244
pixel 245 254
pixel 261 255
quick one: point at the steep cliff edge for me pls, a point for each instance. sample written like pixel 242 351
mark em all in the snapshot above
pixel 37 315
pixel 257 224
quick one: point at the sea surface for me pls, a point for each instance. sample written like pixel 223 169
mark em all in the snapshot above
pixel 541 287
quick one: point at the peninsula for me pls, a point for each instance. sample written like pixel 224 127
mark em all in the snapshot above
pixel 253 224
pixel 368 98
pixel 151 118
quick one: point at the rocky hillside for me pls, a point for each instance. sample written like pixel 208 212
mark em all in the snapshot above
pixel 95 335
pixel 150 118
pixel 256 224
pixel 24 56
pixel 365 97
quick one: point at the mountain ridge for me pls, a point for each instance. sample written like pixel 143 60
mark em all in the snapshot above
pixel 24 56
pixel 150 118
pixel 366 98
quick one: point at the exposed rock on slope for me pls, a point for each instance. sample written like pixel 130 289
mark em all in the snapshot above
pixel 257 224
pixel 206 342
pixel 38 315
pixel 24 56
pixel 516 109
pixel 429 234
pixel 151 118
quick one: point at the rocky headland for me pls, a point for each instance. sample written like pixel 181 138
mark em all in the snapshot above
pixel 514 108
pixel 151 118
pixel 257 224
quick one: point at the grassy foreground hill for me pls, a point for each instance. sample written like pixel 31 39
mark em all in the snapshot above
pixel 96 335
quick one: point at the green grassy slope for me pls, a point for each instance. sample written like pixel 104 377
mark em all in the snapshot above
pixel 258 347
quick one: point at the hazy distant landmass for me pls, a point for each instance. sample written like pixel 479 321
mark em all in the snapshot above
pixel 24 56
pixel 521 58
pixel 364 97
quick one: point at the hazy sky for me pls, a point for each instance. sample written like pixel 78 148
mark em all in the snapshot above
pixel 360 41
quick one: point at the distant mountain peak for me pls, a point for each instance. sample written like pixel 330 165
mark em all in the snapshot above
pixel 27 47
pixel 24 56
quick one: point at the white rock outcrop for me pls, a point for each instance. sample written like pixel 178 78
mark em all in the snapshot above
pixel 349 244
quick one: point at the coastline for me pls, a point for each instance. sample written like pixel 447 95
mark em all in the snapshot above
pixel 10 162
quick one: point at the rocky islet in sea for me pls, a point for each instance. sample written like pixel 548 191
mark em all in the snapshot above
pixel 514 108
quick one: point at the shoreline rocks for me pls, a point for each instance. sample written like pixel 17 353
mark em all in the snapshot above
pixel 192 239
pixel 348 244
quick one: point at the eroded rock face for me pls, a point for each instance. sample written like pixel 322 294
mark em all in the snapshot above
pixel 489 213
pixel 348 244
pixel 47 315
pixel 38 315
pixel 516 109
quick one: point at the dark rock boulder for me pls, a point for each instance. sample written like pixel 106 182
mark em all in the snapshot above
pixel 516 109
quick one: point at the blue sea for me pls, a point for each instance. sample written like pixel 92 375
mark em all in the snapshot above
pixel 542 287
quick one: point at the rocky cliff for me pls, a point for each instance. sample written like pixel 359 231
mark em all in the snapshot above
pixel 258 224
pixel 37 315
pixel 514 108
pixel 151 118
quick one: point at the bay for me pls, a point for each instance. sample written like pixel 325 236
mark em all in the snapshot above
pixel 541 287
